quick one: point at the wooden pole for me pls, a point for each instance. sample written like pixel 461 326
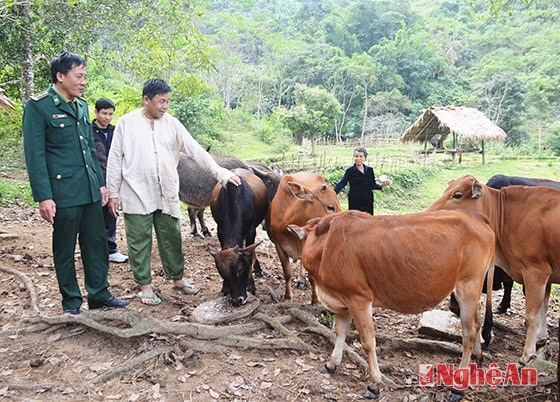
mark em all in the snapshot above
pixel 454 150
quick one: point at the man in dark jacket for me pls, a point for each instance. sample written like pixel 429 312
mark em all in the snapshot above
pixel 103 135
pixel 67 182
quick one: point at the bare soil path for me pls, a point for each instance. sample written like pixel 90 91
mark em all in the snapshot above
pixel 275 356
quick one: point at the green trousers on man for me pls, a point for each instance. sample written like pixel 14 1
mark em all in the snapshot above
pixel 139 241
pixel 85 223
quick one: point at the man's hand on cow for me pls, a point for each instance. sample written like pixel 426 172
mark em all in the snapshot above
pixel 235 180
pixel 113 206
pixel 47 209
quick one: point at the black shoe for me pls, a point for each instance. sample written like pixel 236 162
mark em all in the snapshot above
pixel 71 310
pixel 111 302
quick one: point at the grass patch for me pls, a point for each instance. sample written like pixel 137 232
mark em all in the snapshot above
pixel 15 192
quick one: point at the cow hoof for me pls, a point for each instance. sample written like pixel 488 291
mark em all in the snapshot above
pixel 500 310
pixel 371 393
pixel 326 370
pixel 207 233
pixel 456 395
pixel 198 236
pixel 300 285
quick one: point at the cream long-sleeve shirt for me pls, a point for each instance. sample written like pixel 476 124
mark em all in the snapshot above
pixel 142 164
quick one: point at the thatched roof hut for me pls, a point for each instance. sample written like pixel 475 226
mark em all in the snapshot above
pixel 436 123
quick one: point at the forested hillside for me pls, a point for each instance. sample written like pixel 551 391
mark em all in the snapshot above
pixel 289 69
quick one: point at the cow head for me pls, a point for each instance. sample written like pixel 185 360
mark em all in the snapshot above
pixel 463 193
pixel 320 198
pixel 235 266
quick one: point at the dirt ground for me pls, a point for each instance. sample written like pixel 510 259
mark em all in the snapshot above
pixel 69 361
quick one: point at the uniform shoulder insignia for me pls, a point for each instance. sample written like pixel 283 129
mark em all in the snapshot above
pixel 40 96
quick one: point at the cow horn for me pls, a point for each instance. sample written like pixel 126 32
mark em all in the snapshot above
pixel 211 249
pixel 250 248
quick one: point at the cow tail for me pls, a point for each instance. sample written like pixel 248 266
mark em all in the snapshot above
pixel 488 317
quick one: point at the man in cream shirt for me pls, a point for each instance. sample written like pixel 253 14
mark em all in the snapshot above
pixel 142 176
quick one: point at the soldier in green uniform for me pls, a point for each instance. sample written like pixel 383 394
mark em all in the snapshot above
pixel 67 182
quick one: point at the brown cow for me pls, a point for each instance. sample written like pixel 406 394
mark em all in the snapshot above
pixel 525 220
pixel 405 263
pixel 300 197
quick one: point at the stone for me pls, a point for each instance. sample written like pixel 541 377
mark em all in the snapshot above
pixel 440 324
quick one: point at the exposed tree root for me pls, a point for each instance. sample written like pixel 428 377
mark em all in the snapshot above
pixel 132 363
pixel 28 284
pixel 139 325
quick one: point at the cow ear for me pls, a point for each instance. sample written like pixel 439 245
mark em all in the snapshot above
pixel 298 231
pixel 477 190
pixel 298 191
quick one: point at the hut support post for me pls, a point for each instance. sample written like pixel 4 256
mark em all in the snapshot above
pixel 483 154
pixel 454 150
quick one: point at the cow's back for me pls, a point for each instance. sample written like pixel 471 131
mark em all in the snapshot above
pixel 407 263
pixel 499 180
pixel 239 209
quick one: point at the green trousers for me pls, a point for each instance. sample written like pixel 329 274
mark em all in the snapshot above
pixel 84 222
pixel 139 241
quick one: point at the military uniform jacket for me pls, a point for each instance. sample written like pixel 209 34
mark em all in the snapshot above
pixel 60 151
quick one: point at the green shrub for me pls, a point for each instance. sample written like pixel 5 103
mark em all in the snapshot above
pixel 11 139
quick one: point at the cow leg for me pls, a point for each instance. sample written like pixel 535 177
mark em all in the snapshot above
pixel 467 298
pixel 366 329
pixel 453 305
pixel 506 300
pixel 203 227
pixel 535 310
pixel 250 239
pixel 285 261
pixel 314 298
pixel 301 277
pixel 342 326
pixel 542 334
pixel 192 219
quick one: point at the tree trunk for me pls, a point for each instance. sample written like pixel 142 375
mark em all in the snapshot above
pixel 365 112
pixel 27 82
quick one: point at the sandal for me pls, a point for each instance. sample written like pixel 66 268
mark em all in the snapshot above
pixel 186 289
pixel 152 300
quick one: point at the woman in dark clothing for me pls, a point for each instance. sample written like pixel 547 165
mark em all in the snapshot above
pixel 362 183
